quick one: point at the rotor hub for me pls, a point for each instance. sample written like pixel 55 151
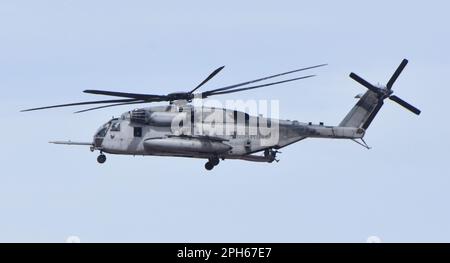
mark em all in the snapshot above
pixel 385 92
pixel 179 96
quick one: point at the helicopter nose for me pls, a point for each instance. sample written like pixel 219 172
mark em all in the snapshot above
pixel 98 142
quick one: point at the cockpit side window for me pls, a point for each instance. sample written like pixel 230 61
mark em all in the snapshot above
pixel 115 126
pixel 137 131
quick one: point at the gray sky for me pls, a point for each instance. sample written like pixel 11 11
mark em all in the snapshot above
pixel 321 190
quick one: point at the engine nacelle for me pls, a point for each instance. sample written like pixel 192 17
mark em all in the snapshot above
pixel 142 116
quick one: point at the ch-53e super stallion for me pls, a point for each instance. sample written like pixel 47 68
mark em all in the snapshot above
pixel 181 129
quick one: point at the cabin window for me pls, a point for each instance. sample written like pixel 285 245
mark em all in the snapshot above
pixel 137 132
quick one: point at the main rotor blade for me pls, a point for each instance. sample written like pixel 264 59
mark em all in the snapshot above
pixel 265 78
pixel 136 96
pixel 111 105
pixel 207 94
pixel 396 74
pixel 208 78
pixel 364 82
pixel 80 103
pixel 405 104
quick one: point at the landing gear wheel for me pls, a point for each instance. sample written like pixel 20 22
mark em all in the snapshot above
pixel 101 158
pixel 215 161
pixel 209 166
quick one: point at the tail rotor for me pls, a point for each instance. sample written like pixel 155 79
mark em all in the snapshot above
pixel 386 92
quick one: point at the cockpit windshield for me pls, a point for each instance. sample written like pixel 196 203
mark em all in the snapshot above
pixel 101 133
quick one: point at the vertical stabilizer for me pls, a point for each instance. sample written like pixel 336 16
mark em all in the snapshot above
pixel 363 113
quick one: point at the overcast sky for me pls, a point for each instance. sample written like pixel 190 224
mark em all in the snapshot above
pixel 320 191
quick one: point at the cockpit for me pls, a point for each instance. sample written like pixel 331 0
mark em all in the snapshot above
pixel 103 130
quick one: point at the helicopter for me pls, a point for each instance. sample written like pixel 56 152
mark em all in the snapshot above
pixel 181 129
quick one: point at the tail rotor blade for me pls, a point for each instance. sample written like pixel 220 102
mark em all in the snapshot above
pixel 396 74
pixel 405 104
pixel 364 82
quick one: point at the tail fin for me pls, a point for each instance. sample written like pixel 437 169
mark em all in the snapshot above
pixel 363 113
pixel 371 102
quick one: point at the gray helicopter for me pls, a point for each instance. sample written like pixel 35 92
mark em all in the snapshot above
pixel 182 129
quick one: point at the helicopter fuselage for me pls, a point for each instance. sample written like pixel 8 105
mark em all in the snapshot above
pixel 202 132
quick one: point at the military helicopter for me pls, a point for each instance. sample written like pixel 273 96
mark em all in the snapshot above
pixel 181 129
